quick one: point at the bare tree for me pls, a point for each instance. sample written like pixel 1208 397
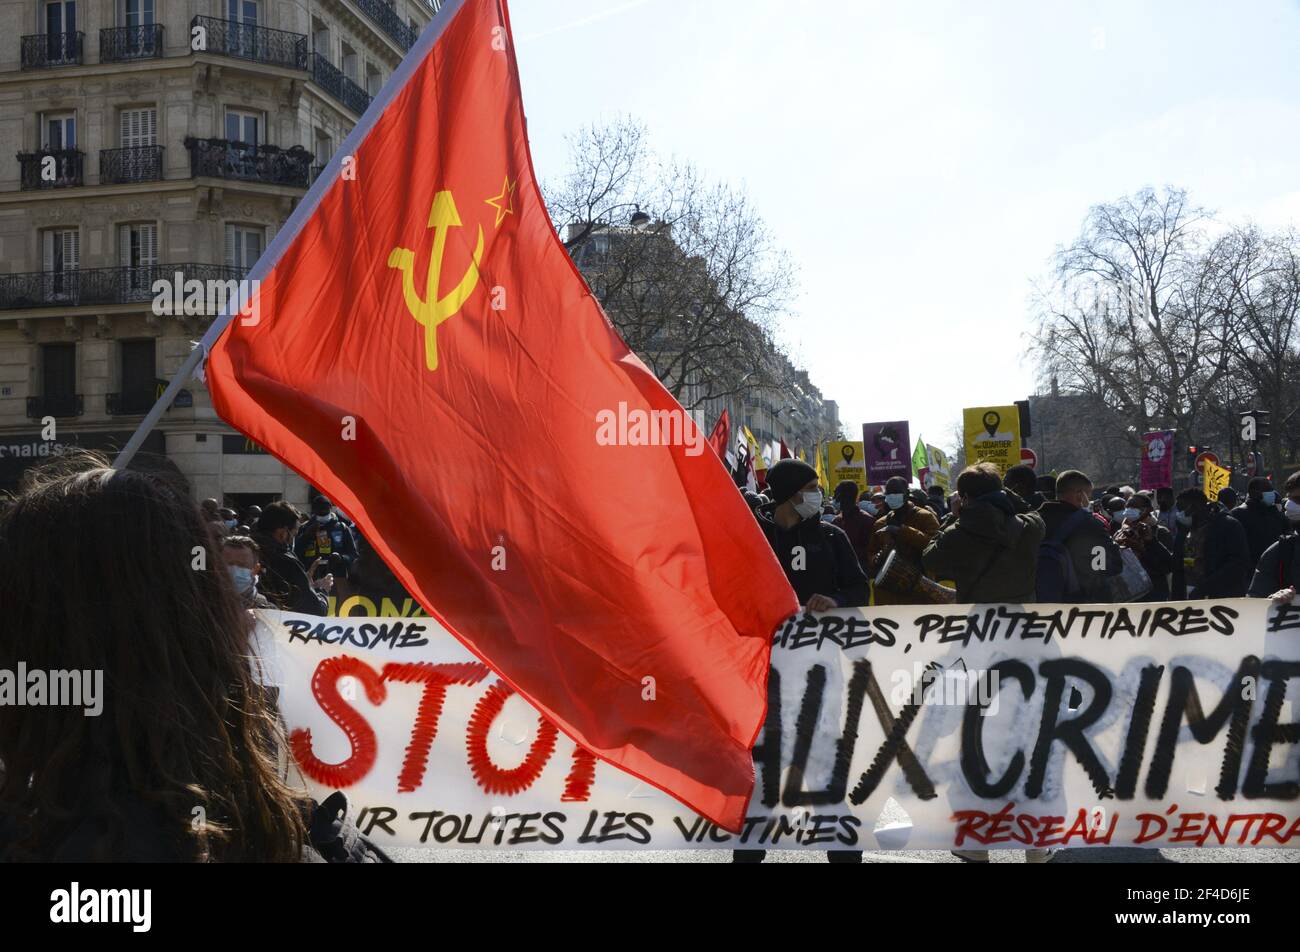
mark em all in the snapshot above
pixel 696 285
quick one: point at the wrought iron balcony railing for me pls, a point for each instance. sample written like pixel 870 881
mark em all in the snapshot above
pixel 55 405
pixel 51 168
pixel 223 158
pixel 142 163
pixel 118 44
pixel 43 50
pixel 388 21
pixel 122 285
pixel 249 42
pixel 331 79
pixel 131 402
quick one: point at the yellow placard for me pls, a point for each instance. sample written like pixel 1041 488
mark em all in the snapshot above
pixel 992 436
pixel 848 461
pixel 1214 479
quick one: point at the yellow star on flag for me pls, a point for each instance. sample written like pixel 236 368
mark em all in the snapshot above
pixel 504 203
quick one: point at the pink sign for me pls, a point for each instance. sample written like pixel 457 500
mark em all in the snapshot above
pixel 1157 459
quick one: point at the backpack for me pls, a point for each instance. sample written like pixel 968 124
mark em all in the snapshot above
pixel 1055 579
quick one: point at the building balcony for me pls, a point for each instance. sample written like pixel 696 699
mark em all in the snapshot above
pixel 222 158
pixel 138 164
pixel 388 20
pixel 55 405
pixel 124 43
pixel 102 286
pixel 51 168
pixel 331 79
pixel 44 50
pixel 131 402
pixel 245 41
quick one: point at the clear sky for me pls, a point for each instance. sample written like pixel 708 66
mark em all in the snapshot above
pixel 921 160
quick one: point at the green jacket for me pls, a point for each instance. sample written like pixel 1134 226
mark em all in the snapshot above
pixel 990 551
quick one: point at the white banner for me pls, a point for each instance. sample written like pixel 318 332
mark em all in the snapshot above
pixel 1168 724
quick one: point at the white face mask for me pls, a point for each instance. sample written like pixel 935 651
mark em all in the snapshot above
pixel 868 508
pixel 1292 510
pixel 244 579
pixel 895 500
pixel 1268 498
pixel 811 504
pixel 1132 515
pixel 1182 518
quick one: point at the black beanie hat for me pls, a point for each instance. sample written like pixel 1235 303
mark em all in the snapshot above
pixel 787 477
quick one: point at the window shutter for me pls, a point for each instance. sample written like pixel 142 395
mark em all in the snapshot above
pixel 124 245
pixel 149 244
pixel 48 240
pixel 71 250
pixel 232 251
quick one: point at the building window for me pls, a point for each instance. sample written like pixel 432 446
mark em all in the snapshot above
pixel 137 12
pixel 373 80
pixel 58 131
pixel 137 251
pixel 60 17
pixel 320 38
pixel 58 380
pixel 242 11
pixel 61 257
pixel 243 245
pixel 324 148
pixel 349 62
pixel 139 376
pixel 138 127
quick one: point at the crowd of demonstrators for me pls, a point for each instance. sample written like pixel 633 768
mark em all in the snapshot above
pixel 187 760
pixel 904 527
pixel 1151 542
pixel 1211 555
pixel 991 548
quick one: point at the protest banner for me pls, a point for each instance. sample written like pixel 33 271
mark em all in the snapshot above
pixel 938 473
pixel 886 446
pixel 847 462
pixel 1157 470
pixel 1168 724
pixel 992 436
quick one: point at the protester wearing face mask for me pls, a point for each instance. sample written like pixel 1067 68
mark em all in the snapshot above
pixel 1278 570
pixel 904 526
pixel 818 560
pixel 1073 530
pixel 1260 517
pixel 243 560
pixel 817 556
pixel 937 501
pixel 1150 541
pixel 1114 507
pixel 853 520
pixel 1211 556
pixel 1165 509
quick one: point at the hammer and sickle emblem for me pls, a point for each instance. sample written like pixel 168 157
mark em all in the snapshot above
pixel 432 310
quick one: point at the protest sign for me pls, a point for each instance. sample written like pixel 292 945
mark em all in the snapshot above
pixel 1157 470
pixel 992 436
pixel 1216 479
pixel 847 462
pixel 1169 724
pixel 938 472
pixel 886 449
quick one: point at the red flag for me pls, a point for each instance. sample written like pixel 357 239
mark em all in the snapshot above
pixel 720 438
pixel 422 339
pixel 785 451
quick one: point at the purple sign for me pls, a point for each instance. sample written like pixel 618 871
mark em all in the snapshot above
pixel 888 448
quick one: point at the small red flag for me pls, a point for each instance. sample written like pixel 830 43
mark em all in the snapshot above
pixel 785 451
pixel 720 438
pixel 426 354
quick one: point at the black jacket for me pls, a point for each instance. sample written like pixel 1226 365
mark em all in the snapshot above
pixel 1157 557
pixel 990 550
pixel 830 566
pixel 1082 545
pixel 1278 567
pixel 339 542
pixel 1264 525
pixel 1227 559
pixel 284 580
